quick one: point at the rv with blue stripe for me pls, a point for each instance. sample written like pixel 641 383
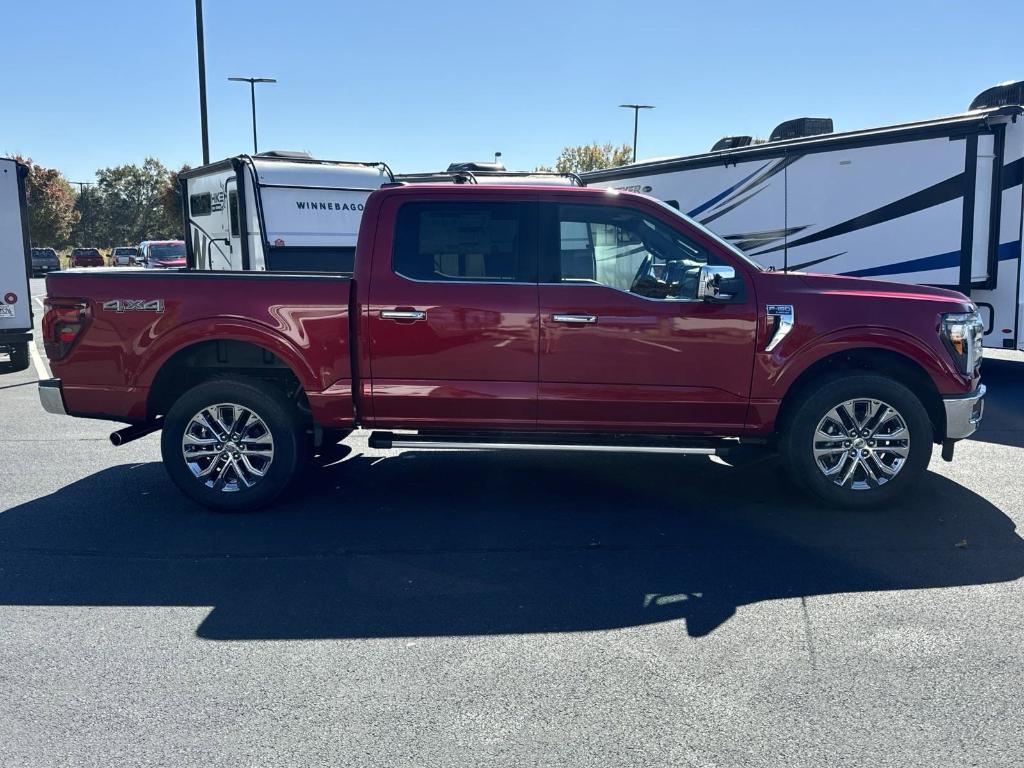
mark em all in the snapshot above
pixel 936 202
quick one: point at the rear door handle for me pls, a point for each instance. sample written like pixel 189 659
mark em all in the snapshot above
pixel 575 319
pixel 403 314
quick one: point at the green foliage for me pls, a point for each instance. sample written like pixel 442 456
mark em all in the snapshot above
pixel 127 205
pixel 591 157
pixel 51 205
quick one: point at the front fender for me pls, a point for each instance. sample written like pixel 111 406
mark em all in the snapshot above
pixel 776 371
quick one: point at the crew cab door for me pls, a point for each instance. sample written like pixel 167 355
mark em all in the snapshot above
pixel 452 317
pixel 625 344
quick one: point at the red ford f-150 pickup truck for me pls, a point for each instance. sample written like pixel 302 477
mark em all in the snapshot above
pixel 519 317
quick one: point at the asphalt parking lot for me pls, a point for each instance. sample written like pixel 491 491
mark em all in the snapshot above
pixel 409 608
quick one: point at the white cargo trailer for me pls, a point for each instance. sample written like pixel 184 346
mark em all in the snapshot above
pixel 276 211
pixel 934 202
pixel 15 267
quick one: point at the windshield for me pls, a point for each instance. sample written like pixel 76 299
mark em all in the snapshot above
pixel 168 251
pixel 125 251
pixel 724 243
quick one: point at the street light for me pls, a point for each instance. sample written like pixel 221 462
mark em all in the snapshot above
pixel 252 92
pixel 636 120
pixel 201 51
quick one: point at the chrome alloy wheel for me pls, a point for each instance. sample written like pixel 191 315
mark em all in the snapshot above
pixel 227 447
pixel 861 444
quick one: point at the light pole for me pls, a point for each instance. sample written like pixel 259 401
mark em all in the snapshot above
pixel 636 120
pixel 86 209
pixel 201 50
pixel 252 92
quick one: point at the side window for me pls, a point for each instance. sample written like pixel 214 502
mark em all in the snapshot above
pixel 233 211
pixel 200 205
pixel 626 250
pixel 464 241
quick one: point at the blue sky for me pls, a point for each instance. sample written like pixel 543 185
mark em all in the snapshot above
pixel 419 85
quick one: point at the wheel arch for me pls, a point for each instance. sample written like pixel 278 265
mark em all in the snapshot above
pixel 874 359
pixel 199 361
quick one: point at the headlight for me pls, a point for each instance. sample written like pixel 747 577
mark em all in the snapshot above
pixel 962 334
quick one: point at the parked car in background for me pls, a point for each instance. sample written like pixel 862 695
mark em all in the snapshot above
pixel 86 257
pixel 162 254
pixel 124 256
pixel 44 260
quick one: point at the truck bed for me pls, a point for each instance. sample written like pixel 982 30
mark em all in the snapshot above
pixel 300 322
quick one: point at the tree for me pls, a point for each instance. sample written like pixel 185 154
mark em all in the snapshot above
pixel 129 204
pixel 591 157
pixel 170 199
pixel 51 205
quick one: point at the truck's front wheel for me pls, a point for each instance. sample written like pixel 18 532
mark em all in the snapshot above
pixel 857 440
pixel 232 444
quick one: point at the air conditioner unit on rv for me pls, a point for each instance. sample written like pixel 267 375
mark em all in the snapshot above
pixel 801 127
pixel 1010 92
pixel 732 142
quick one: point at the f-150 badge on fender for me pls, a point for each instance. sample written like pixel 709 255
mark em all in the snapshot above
pixel 134 305
pixel 781 317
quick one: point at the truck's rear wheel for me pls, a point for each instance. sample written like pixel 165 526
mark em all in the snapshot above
pixel 19 356
pixel 858 440
pixel 232 444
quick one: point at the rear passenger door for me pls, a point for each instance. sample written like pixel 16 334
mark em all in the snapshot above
pixel 452 315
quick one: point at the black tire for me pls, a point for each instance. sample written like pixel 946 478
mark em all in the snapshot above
pixel 19 356
pixel 271 406
pixel 798 441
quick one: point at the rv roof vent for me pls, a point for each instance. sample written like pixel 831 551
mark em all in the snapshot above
pixel 801 127
pixel 286 154
pixel 732 142
pixel 1010 92
pixel 474 167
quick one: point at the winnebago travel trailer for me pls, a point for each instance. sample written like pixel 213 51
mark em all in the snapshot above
pixel 276 211
pixel 935 202
pixel 15 266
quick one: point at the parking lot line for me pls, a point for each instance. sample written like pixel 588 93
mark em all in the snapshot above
pixel 42 372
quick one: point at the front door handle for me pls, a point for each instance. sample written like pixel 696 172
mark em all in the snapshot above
pixel 403 314
pixel 575 319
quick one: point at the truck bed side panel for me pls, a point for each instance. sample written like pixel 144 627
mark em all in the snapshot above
pixel 139 319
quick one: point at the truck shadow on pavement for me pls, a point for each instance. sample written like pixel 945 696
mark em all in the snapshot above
pixel 422 544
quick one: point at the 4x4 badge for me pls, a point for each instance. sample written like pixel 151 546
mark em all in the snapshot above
pixel 134 305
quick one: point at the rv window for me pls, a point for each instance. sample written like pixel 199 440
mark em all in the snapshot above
pixel 200 205
pixel 233 208
pixel 455 241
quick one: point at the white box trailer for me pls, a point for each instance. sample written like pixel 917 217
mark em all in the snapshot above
pixel 15 267
pixel 934 202
pixel 295 213
pixel 276 211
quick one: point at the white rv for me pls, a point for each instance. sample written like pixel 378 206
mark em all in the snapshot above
pixel 276 211
pixel 934 202
pixel 15 267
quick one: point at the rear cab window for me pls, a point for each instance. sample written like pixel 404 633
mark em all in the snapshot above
pixel 466 241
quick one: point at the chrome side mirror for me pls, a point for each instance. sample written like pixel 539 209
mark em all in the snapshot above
pixel 709 283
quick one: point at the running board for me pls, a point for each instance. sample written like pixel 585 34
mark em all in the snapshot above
pixel 696 447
